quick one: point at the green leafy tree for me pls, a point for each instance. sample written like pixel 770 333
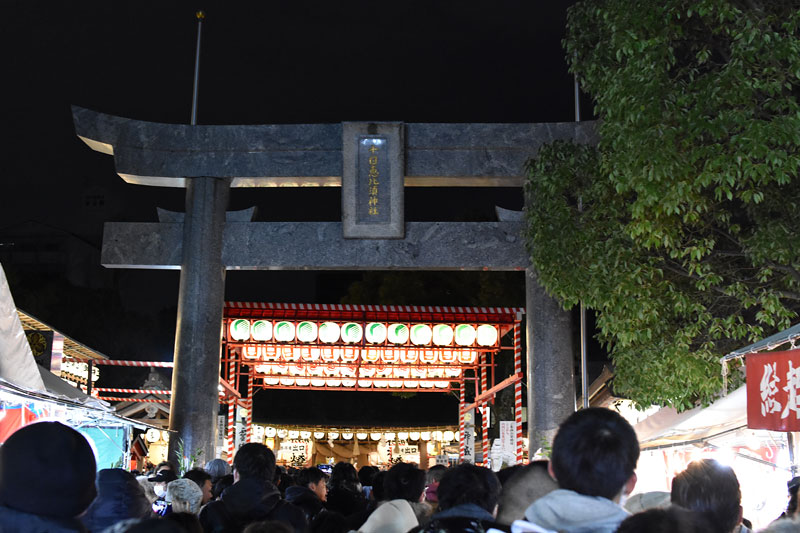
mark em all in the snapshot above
pixel 680 227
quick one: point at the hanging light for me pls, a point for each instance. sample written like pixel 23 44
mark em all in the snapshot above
pixel 402 435
pixel 307 331
pixel 240 329
pixel 447 356
pixel 389 435
pixel 428 356
pixel 294 434
pixel 465 335
pixel 414 435
pixel 303 382
pixel 271 381
pixel 487 335
pixel 333 435
pixel 305 435
pixel 329 332
pixel 467 357
pixel 390 355
pixel 409 356
pixel 350 355
pixel 426 384
pixel 365 383
pixel 361 436
pixel 375 333
pixel 262 330
pixel 284 331
pixel 448 436
pixel 287 382
pixel 165 436
pixel 328 354
pixel 152 435
pixel 258 432
pixel 347 436
pixel 421 334
pixel 351 332
pixel 318 382
pixel 441 384
pixel 319 435
pixel 398 333
pixel 375 436
pixel 425 435
pixel 282 433
pixel 442 335
pixel 437 435
pixel 270 431
pixel 370 355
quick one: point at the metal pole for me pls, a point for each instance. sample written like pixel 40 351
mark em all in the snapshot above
pixel 584 371
pixel 790 443
pixel 200 16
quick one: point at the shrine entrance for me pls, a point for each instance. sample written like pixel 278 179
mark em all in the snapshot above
pixel 371 348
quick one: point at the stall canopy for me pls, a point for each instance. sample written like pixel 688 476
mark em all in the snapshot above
pixel 17 364
pixel 668 427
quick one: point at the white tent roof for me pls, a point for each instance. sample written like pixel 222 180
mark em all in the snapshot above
pixel 668 427
pixel 17 364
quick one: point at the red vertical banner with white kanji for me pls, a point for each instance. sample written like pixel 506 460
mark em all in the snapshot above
pixel 773 390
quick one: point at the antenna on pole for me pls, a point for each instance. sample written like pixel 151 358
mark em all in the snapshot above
pixel 200 17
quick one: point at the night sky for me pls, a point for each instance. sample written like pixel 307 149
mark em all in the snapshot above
pixel 261 63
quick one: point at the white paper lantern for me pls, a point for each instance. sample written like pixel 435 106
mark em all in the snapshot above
pixel 402 435
pixel 390 435
pixel 305 435
pixel 448 436
pixel 319 435
pixel 425 435
pixel 375 436
pixel 361 436
pixel 282 433
pixel 294 434
pixel 270 432
pixel 347 436
pixel 152 435
pixel 333 435
pixel 414 435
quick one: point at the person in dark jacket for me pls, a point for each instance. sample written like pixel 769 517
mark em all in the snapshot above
pixel 345 495
pixel 119 497
pixel 468 496
pixel 310 492
pixel 252 497
pixel 40 490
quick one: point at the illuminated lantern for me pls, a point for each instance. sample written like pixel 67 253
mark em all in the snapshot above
pixel 303 382
pixel 365 383
pixel 258 432
pixel 418 372
pixel 398 333
pixel 426 384
pixel 487 335
pixel 347 436
pixel 448 436
pixel 375 333
pixel 380 383
pixel 317 382
pixel 290 353
pixel 421 334
pixel 240 329
pixel 333 435
pixel 262 330
pixel 152 435
pixel 270 431
pixel 402 435
pixel 409 356
pixel 452 372
pixel 270 354
pixel 319 435
pixel 390 355
pixel 305 435
pixel 297 370
pixel 425 435
pixel 411 383
pixel 294 434
pixel 389 436
pixel 351 332
pixel 465 335
pixel 366 371
pixel 428 356
pixel 287 382
pixel 442 335
pixel 395 384
pixel 309 354
pixel 346 382
pixel 282 433
pixel 402 372
pixel 441 384
pixel 384 371
pixel 447 356
pixel 306 331
pixel 262 369
pixel 437 435
pixel 271 381
pixel 467 357
pixel 361 436
pixel 414 435
pixel 284 331
pixel 436 372
pixel 329 355
pixel 370 355
pixel 348 371
pixel 350 355
pixel 329 332
pixel 375 436
pixel 280 368
pixel 314 370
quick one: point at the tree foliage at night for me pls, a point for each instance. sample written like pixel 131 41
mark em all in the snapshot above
pixel 681 228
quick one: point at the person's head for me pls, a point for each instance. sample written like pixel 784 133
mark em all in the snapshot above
pixel 377 493
pixel 47 469
pixel 664 520
pixel 467 483
pixel 711 489
pixel 792 485
pixel 434 474
pixel 527 485
pixel 160 481
pixel 119 497
pixel 504 474
pixel 344 475
pixel 217 468
pixel 328 523
pixel 366 475
pixel 254 461
pixel 222 483
pixel 184 495
pixel 404 481
pixel 165 465
pixel 595 453
pixel 315 480
pixel 203 480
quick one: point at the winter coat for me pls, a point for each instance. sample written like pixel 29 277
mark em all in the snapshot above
pixel 247 501
pixel 305 499
pixel 464 518
pixel 345 501
pixel 570 512
pixel 394 516
pixel 13 521
pixel 119 497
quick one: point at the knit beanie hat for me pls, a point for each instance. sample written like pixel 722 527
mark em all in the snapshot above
pixel 47 469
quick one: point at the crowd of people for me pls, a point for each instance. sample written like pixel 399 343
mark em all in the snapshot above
pixel 49 483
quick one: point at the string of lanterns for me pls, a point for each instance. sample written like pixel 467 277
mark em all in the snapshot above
pixel 444 436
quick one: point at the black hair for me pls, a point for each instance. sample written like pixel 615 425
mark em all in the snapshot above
pixel 527 484
pixel 328 522
pixel 188 522
pixel 792 485
pixel 268 526
pixel 222 483
pixel 467 483
pixel 310 475
pixel 344 475
pixel 198 475
pixel 712 489
pixel 377 486
pixel 504 474
pixel 594 453
pixel 404 481
pixel 667 520
pixel 366 474
pixel 254 460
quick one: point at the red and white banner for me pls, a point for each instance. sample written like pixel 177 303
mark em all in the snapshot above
pixel 773 390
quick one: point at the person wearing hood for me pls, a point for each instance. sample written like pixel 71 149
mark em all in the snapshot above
pixel 160 481
pixel 40 491
pixel 119 497
pixel 252 497
pixel 404 488
pixel 593 460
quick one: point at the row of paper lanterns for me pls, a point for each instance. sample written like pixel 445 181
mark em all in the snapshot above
pixel 271 432
pixel 352 371
pixel 374 333
pixel 386 355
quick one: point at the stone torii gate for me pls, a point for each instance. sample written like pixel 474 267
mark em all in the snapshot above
pixel 205 241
